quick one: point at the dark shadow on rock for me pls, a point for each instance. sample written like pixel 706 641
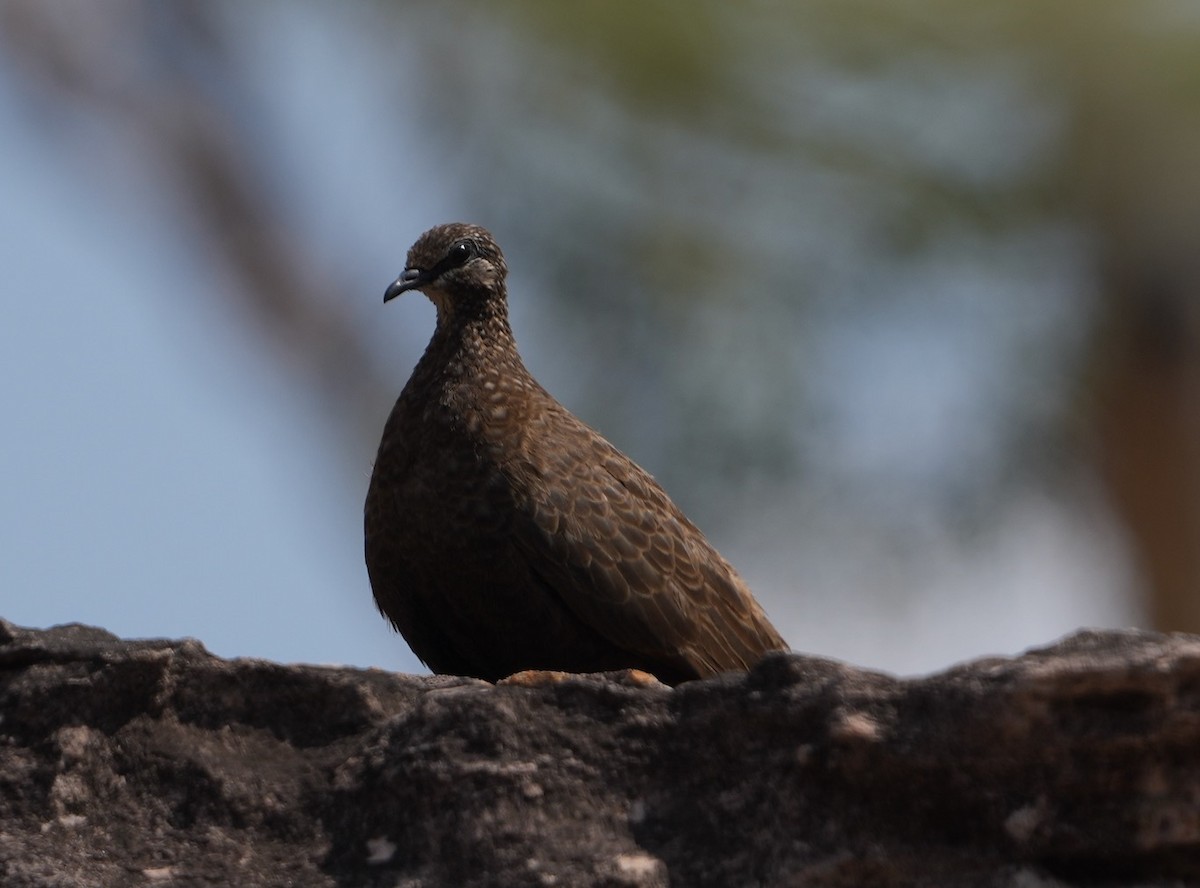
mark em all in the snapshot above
pixel 154 762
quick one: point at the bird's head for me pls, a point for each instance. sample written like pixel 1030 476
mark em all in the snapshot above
pixel 451 264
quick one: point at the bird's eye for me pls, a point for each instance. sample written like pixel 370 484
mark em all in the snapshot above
pixel 459 254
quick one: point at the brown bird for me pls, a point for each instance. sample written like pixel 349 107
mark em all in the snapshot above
pixel 503 534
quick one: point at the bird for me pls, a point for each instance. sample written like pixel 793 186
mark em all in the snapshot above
pixel 503 535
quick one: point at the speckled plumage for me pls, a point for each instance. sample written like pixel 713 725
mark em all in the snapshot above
pixel 504 534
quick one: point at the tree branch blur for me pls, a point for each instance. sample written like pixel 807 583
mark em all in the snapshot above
pixel 162 75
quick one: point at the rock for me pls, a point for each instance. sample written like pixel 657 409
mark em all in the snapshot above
pixel 156 763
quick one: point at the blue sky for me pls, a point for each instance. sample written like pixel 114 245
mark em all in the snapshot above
pixel 161 477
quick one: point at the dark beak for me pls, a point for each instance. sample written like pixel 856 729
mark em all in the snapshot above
pixel 410 279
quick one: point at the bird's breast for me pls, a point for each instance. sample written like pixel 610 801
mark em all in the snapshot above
pixel 448 482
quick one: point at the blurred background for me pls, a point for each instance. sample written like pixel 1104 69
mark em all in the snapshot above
pixel 898 300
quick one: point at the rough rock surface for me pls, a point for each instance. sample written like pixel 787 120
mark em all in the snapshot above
pixel 156 763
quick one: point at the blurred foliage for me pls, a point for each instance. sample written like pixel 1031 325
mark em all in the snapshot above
pixel 724 187
pixel 725 180
pixel 860 247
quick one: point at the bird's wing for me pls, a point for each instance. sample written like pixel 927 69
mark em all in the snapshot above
pixel 606 537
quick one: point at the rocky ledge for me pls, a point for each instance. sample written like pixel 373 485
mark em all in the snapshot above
pixel 156 763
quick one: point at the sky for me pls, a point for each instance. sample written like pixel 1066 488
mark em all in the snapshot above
pixel 163 478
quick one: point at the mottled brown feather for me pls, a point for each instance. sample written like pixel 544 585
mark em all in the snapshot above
pixel 503 534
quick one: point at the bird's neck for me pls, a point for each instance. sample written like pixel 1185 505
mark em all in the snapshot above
pixel 470 344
